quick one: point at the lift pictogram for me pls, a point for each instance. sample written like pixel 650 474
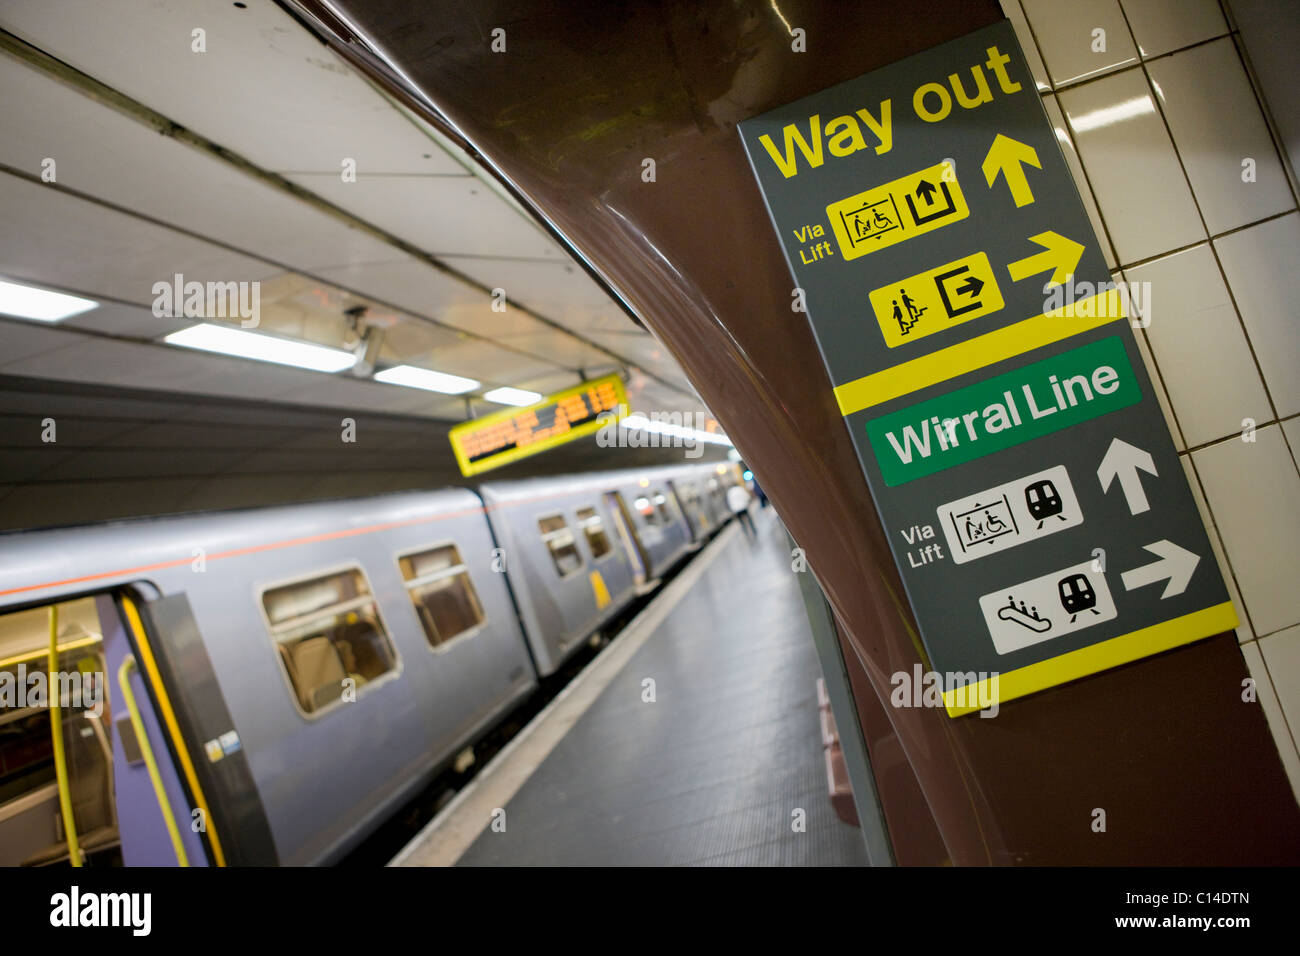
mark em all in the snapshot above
pixel 1010 515
pixel 892 212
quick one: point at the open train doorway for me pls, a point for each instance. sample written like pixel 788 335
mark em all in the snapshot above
pixel 56 750
pixel 87 776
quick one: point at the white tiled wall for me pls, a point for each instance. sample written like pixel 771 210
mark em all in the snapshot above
pixel 1183 182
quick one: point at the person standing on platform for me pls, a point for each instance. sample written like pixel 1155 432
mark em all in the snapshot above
pixel 738 502
pixel 758 493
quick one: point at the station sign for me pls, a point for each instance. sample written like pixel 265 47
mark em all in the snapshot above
pixel 509 435
pixel 988 373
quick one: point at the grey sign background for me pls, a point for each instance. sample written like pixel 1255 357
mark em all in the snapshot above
pixel 944 595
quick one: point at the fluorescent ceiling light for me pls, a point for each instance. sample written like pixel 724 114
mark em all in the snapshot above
pixel 512 396
pixel 30 302
pixel 263 348
pixel 639 422
pixel 427 379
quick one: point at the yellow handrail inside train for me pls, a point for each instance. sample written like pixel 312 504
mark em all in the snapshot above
pixel 56 731
pixel 42 652
pixel 142 737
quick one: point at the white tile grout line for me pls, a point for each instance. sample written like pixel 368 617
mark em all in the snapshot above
pixel 447 836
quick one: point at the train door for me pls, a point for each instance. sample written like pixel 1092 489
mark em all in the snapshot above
pixel 681 499
pixel 86 777
pixel 209 764
pixel 626 531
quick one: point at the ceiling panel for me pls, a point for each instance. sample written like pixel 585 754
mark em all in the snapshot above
pixel 418 287
pixel 636 345
pixel 116 159
pixel 342 393
pixel 438 214
pixel 21 340
pixel 466 162
pixel 403 281
pixel 56 239
pixel 93 360
pixel 132 321
pixel 265 87
pixel 563 350
pixel 487 362
pixel 603 318
pixel 555 289
pixel 406 340
pixel 549 384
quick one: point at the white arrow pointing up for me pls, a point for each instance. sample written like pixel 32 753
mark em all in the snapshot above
pixel 1123 461
pixel 1175 565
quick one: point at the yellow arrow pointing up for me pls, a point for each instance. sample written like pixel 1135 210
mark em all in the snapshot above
pixel 1061 256
pixel 1008 157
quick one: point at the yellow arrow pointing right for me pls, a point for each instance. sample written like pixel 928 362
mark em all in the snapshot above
pixel 1008 156
pixel 1060 254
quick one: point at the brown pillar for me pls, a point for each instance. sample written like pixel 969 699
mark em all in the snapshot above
pixel 1185 770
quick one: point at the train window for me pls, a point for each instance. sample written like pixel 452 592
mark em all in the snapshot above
pixel 31 826
pixel 646 509
pixel 444 596
pixel 561 543
pixel 327 629
pixel 660 501
pixel 594 528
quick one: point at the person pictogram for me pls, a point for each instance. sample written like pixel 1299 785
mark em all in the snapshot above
pixel 903 325
pixel 911 307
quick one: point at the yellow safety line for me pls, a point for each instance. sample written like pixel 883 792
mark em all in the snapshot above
pixel 979 352
pixel 1090 660
pixel 146 749
pixel 169 719
pixel 56 731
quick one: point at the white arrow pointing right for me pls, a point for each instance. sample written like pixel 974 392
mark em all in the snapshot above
pixel 1175 565
pixel 1123 460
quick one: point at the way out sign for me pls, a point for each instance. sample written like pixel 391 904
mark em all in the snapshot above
pixel 1022 468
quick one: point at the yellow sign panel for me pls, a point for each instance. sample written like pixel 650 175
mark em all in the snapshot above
pixel 936 299
pixel 506 436
pixel 911 206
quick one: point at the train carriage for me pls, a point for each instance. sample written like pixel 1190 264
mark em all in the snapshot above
pixel 334 658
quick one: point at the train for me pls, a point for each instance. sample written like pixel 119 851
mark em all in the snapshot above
pixel 267 686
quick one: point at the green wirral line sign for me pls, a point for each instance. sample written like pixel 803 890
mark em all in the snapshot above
pixel 1004 411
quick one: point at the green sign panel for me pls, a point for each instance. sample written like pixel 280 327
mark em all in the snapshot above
pixel 987 371
pixel 1003 411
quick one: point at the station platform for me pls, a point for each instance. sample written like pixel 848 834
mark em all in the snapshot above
pixel 710 772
